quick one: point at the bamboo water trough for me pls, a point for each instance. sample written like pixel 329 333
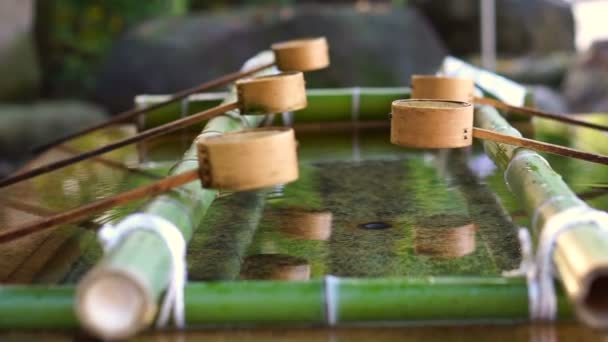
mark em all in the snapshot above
pixel 303 302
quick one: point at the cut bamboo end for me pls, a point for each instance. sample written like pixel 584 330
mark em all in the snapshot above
pixel 424 123
pixel 113 305
pixel 445 237
pixel 302 54
pixel 279 93
pixel 442 88
pixel 275 267
pixel 306 225
pixel 592 306
pixel 248 159
pixel 582 264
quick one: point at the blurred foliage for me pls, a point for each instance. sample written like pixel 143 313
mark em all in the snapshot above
pixel 74 36
pixel 198 5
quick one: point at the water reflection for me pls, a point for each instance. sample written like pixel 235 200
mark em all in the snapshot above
pixel 316 219
pixel 445 236
pixel 305 224
pixel 275 267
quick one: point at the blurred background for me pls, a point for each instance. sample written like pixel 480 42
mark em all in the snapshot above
pixel 66 64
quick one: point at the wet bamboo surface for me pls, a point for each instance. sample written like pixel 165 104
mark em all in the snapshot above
pixel 414 186
pixel 361 179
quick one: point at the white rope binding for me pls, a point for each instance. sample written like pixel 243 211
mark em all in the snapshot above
pixel 539 268
pixel 332 299
pixel 173 302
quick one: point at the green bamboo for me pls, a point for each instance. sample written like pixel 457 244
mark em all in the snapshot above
pixel 581 253
pixel 143 256
pixel 324 105
pixel 277 302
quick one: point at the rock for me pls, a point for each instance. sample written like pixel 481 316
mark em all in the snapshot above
pixel 18 62
pixel 25 126
pixel 548 70
pixel 372 48
pixel 522 26
pixel 587 80
pixel 548 99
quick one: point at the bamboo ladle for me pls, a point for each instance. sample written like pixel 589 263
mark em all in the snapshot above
pixel 293 55
pixel 422 123
pixel 461 89
pixel 237 161
pixel 260 95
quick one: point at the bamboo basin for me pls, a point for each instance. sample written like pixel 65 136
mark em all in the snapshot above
pixel 284 92
pixel 248 159
pixel 431 123
pixel 302 54
pixel 442 88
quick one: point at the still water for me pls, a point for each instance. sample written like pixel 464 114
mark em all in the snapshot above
pixel 361 208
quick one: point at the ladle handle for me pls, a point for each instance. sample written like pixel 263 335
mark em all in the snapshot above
pixel 485 134
pixel 73 215
pixel 542 114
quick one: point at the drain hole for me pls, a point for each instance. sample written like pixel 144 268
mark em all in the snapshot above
pixel 375 225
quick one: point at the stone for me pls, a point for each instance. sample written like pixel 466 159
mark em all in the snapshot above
pixel 549 69
pixel 587 80
pixel 377 47
pixel 522 26
pixel 25 126
pixel 547 99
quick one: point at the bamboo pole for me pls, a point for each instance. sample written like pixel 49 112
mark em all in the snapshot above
pixel 539 113
pixel 271 302
pixel 324 105
pixel 581 253
pixel 140 265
